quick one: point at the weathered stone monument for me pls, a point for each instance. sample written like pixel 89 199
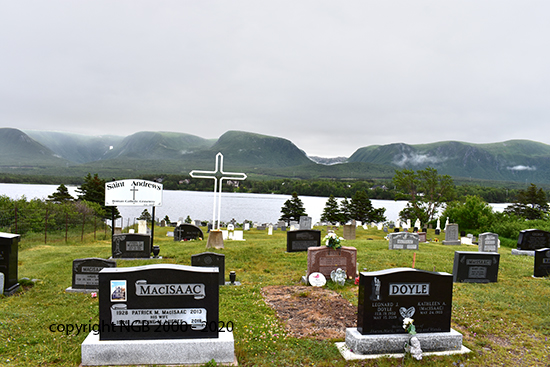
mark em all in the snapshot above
pixel 451 235
pixel 349 231
pixel 403 241
pixel 488 242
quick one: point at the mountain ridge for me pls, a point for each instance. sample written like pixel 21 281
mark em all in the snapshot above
pixel 45 152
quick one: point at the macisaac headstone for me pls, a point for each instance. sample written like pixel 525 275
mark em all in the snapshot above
pixel 86 273
pixel 180 300
pixel 475 267
pixel 301 240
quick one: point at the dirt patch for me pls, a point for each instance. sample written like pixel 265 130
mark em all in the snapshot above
pixel 310 312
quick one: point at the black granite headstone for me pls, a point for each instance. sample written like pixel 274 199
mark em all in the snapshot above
pixel 86 272
pixel 131 245
pixel 386 297
pixel 161 301
pixel 475 267
pixel 9 249
pixel 533 239
pixel 542 262
pixel 187 232
pixel 301 240
pixel 211 259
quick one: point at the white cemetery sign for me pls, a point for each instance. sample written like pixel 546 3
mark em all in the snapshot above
pixel 133 193
pixel 218 175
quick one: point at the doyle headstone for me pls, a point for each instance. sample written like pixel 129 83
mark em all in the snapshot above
pixel 211 259
pixel 324 260
pixel 475 267
pixel 9 254
pixel 403 241
pixel 542 262
pixel 349 231
pixel 386 297
pixel 145 297
pixel 488 242
pixel 187 232
pixel 130 246
pixel 301 240
pixel 86 273
pixel 451 235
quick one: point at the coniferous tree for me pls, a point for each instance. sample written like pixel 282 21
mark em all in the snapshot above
pixel 292 209
pixel 345 211
pixel 530 204
pixel 331 212
pixel 61 195
pixel 93 190
pixel 361 209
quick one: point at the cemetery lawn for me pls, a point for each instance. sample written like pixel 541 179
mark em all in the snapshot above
pixel 504 323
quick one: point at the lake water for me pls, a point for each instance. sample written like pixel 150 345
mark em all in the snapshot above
pixel 261 208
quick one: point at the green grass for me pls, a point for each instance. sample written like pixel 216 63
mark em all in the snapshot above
pixel 504 323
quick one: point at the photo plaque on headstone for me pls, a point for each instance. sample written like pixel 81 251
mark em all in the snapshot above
pixel 301 240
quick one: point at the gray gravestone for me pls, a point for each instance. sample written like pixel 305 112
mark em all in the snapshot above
pixel 488 242
pixel 211 259
pixel 475 267
pixel 542 262
pixel 86 273
pixel 305 222
pixel 451 235
pixel 403 241
pixel 9 250
pixel 301 240
pixel 131 246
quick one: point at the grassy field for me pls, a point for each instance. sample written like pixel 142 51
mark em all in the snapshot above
pixel 504 324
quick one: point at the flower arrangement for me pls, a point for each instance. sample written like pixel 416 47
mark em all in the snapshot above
pixel 333 241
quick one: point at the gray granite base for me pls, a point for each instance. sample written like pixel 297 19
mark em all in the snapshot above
pixel 394 343
pixel 79 290
pixel 452 243
pixel 523 252
pixel 349 355
pixel 97 352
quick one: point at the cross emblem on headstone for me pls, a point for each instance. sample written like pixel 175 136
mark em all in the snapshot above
pixel 217 174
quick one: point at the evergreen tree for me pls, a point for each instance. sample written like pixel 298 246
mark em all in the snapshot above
pixel 361 209
pixel 345 211
pixel 292 209
pixel 93 190
pixel 145 216
pixel 61 195
pixel 530 204
pixel 331 212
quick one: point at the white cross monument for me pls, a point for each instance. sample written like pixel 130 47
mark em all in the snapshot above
pixel 217 175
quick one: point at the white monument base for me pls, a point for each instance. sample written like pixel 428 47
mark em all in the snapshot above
pixel 97 352
pixel 523 252
pixel 349 355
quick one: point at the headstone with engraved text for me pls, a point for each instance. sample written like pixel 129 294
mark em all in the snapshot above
pixel 301 240
pixel 475 267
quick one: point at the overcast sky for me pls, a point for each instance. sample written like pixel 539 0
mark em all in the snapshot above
pixel 331 76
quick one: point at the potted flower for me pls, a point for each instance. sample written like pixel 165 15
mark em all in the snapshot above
pixel 332 241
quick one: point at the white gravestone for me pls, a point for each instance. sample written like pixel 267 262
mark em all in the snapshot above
pixel 142 226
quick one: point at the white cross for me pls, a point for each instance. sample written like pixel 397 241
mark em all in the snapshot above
pixel 217 194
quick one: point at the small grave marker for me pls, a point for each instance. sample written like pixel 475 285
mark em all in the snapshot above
pixel 451 235
pixel 403 241
pixel 488 242
pixel 301 240
pixel 475 267
pixel 187 232
pixel 130 246
pixel 86 273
